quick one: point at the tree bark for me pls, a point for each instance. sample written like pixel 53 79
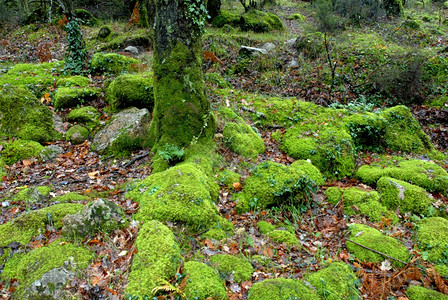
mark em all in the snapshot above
pixel 182 111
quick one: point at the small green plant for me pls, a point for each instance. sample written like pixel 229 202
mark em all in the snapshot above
pixel 75 52
pixel 197 14
pixel 171 154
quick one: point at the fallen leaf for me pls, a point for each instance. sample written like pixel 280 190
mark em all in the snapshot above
pixel 237 186
pixel 93 175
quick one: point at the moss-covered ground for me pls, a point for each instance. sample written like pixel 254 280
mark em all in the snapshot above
pixel 326 176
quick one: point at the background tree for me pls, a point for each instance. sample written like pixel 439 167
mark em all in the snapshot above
pixel 181 111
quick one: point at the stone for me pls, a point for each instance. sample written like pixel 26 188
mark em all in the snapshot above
pixel 130 123
pixel 291 42
pixel 251 51
pixel 292 63
pixel 77 134
pixel 104 32
pixel 131 49
pixel 50 152
pixel 268 46
pixel 99 216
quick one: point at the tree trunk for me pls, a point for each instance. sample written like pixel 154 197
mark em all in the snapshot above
pixel 213 8
pixel 181 111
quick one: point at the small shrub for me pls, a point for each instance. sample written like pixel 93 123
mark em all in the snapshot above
pixel 75 52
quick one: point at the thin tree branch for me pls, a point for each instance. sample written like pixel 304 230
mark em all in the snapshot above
pixel 378 252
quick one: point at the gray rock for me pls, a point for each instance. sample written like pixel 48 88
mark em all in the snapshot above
pixel 99 216
pixel 291 42
pixel 292 63
pixel 130 123
pixel 58 123
pixel 268 46
pixel 51 284
pixel 131 49
pixel 251 51
pixel 50 152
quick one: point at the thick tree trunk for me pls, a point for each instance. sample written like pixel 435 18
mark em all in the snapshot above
pixel 181 111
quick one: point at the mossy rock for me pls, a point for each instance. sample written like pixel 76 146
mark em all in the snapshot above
pixel 156 260
pixel 20 149
pixel 281 289
pixel 85 17
pixel 36 77
pixel 112 63
pixel 23 116
pixel 283 236
pixel 409 198
pixel 228 178
pixel 260 21
pixel 131 90
pixel 69 197
pixel 421 293
pixel 73 81
pixel 203 282
pixel 226 18
pixel 273 184
pixel 311 44
pixel 220 230
pixel 432 237
pixel 42 261
pixel 32 194
pixel 77 134
pixel 335 282
pixel 104 32
pixel 85 114
pixel 30 224
pixel 298 17
pixel 425 174
pixel 359 201
pixel 70 97
pixel 374 239
pixel 181 194
pixel 234 268
pixel 265 227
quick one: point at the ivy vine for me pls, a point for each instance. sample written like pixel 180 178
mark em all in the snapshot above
pixel 197 14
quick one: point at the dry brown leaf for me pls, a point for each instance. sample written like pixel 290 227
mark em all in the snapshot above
pixel 93 175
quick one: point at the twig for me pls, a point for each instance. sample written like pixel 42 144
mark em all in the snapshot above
pixel 133 160
pixel 378 252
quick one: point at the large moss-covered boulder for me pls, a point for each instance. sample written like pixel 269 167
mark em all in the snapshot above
pixel 36 77
pixel 408 197
pixel 374 239
pixel 156 261
pixel 425 174
pixel 432 237
pixel 87 115
pixel 281 289
pixel 23 116
pixel 53 266
pixel 131 90
pixel 226 18
pixel 99 216
pixel 359 201
pixel 112 63
pixel 236 269
pixel 182 194
pixel 273 184
pixel 30 224
pixel 18 150
pixel 260 21
pixel 71 97
pixel 203 282
pixel 238 135
pixel 335 282
pixel 415 292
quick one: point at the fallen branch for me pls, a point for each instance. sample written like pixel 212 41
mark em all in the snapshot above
pixel 133 160
pixel 378 252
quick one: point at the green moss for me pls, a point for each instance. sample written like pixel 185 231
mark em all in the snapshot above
pixel 228 178
pixel 366 203
pixel 29 224
pixel 20 149
pixel 221 229
pixel 415 292
pixel 180 194
pixel 297 16
pixel 156 260
pixel 32 194
pixel 335 282
pixel 272 184
pixel 202 154
pixel 232 267
pixel 23 116
pixel 131 90
pixel 311 45
pixel 31 266
pixel 71 97
pixel 35 76
pixel 260 21
pixel 71 196
pixel 77 134
pixel 218 80
pixel 242 139
pixel 215 234
pixel 79 81
pixel 283 236
pixel 418 172
pixel 432 237
pixel 367 131
pixel 265 227
pixel 112 63
pixel 85 17
pixel 281 289
pixel 87 115
pixel 410 198
pixel 203 282
pixel 372 238
pixel 225 17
